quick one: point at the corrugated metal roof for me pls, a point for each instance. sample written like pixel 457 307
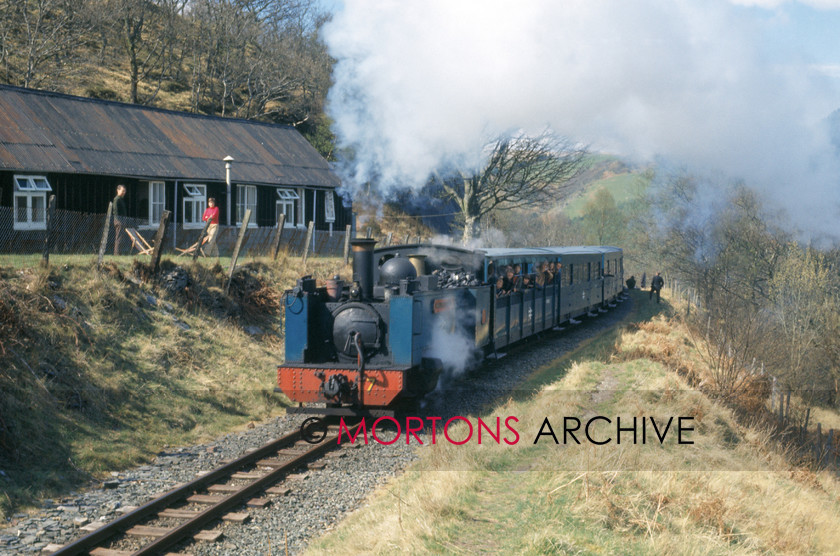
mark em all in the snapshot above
pixel 50 132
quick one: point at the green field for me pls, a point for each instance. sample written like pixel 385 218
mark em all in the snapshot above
pixel 623 187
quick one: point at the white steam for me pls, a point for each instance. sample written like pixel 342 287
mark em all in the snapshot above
pixel 419 85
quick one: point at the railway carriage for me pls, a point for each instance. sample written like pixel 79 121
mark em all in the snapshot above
pixel 412 310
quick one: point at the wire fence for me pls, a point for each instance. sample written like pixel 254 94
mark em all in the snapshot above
pixel 78 233
pixel 795 425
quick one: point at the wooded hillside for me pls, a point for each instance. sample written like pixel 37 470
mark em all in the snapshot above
pixel 254 59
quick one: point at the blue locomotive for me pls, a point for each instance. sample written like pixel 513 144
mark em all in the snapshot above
pixel 413 311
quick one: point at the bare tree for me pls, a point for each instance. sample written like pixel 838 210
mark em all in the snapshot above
pixel 44 36
pixel 148 32
pixel 519 172
pixel 258 59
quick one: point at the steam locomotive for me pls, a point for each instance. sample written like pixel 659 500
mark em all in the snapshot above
pixel 413 311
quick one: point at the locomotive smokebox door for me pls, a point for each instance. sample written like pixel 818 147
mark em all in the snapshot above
pixel 352 319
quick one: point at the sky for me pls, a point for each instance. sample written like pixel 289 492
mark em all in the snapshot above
pixel 739 89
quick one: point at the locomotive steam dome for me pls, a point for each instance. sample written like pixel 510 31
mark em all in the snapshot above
pixel 395 269
pixel 356 318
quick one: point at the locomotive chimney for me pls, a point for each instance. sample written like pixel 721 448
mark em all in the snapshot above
pixel 363 264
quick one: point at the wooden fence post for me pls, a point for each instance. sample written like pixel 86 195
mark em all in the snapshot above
pixel 787 407
pixel 239 240
pixel 819 441
pixel 309 231
pixel 159 236
pixel 105 229
pixel 407 238
pixel 347 231
pixel 50 217
pixel 805 428
pixel 781 407
pixel 388 239
pixel 275 245
pixel 200 237
pixel 368 233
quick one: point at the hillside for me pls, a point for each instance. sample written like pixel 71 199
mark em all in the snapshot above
pixel 729 491
pixel 624 182
pixel 101 369
pixel 248 59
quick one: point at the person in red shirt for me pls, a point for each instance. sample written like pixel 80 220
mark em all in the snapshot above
pixel 211 213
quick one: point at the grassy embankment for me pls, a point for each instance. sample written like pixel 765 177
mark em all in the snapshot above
pixel 100 370
pixel 728 492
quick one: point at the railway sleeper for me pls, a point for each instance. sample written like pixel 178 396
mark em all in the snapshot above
pixel 113 552
pixel 155 532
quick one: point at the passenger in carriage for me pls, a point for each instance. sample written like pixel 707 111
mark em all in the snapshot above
pixel 500 287
pixel 543 277
pixel 552 268
pixel 506 283
pixel 515 277
pixel 527 282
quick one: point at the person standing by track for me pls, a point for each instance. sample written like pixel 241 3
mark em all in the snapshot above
pixel 656 285
pixel 120 213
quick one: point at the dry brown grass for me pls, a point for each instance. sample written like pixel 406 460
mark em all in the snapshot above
pixel 731 492
pixel 102 367
pixel 671 343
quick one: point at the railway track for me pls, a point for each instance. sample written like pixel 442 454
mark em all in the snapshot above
pixel 185 512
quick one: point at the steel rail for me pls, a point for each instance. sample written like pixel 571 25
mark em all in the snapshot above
pixel 195 524
pixel 122 524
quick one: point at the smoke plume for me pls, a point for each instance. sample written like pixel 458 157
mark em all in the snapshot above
pixel 424 85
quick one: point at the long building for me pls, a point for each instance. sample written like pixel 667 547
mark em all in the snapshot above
pixel 79 149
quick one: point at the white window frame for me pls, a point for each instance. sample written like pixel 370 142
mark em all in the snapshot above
pixel 329 207
pixel 194 203
pixel 287 198
pixel 247 203
pixel 31 188
pixel 301 215
pixel 154 216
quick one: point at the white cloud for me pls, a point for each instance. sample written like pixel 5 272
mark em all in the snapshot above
pixel 773 4
pixel 419 84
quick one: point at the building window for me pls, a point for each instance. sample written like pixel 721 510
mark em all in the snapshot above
pixel 30 202
pixel 301 208
pixel 157 201
pixel 246 198
pixel 287 204
pixel 151 203
pixel 195 201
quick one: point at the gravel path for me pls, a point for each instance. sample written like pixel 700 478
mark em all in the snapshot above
pixel 317 501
